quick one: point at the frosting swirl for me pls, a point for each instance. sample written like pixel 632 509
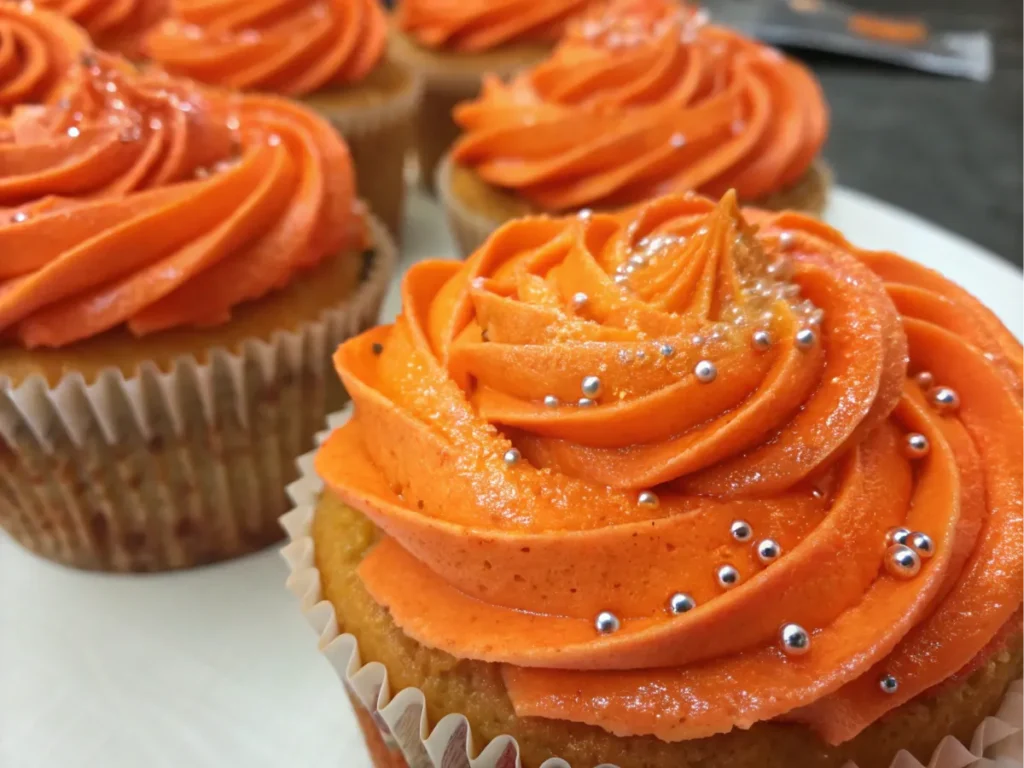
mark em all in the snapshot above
pixel 740 385
pixel 642 100
pixel 144 201
pixel 289 47
pixel 113 26
pixel 36 50
pixel 481 25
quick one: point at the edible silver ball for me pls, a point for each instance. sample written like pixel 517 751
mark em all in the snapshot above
pixel 666 350
pixel 768 550
pixel 944 399
pixel 916 446
pixel 512 456
pixel 805 338
pixel 648 499
pixel 786 239
pixel 728 577
pixel 579 299
pixel 925 380
pixel 889 684
pixel 697 340
pixel 761 340
pixel 591 386
pixel 902 561
pixel 794 639
pixel 705 371
pixel 897 536
pixel 606 623
pixel 741 530
pixel 681 602
pixel 922 544
pixel 551 401
pixel 586 402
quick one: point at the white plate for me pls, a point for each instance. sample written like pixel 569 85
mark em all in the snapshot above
pixel 214 668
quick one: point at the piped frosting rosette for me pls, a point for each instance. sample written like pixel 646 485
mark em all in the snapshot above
pixel 669 468
pixel 644 98
pixel 148 202
pixel 36 50
pixel 113 26
pixel 283 46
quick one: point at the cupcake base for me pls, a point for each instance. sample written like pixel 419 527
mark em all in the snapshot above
pixel 475 209
pixel 124 454
pixel 449 79
pixel 460 696
pixel 376 117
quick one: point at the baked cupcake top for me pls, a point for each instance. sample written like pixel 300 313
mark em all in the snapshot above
pixel 142 200
pixel 474 26
pixel 36 50
pixel 291 47
pixel 640 99
pixel 671 468
pixel 113 26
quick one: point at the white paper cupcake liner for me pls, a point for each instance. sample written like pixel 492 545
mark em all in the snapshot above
pixel 402 719
pixel 168 469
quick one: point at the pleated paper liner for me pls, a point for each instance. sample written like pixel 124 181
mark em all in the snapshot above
pixel 471 226
pixel 404 736
pixel 377 119
pixel 171 469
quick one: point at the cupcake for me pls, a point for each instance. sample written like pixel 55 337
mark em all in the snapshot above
pixel 641 98
pixel 453 44
pixel 676 486
pixel 179 266
pixel 329 54
pixel 42 47
pixel 117 27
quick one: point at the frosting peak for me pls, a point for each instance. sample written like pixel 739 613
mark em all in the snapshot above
pixel 113 26
pixel 291 47
pixel 618 451
pixel 644 99
pixel 144 200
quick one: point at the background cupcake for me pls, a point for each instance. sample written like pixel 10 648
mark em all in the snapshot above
pixel 658 488
pixel 642 98
pixel 179 266
pixel 114 26
pixel 331 54
pixel 453 44
pixel 41 46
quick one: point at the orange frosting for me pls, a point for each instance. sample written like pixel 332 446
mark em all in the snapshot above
pixel 472 26
pixel 514 513
pixel 144 201
pixel 114 25
pixel 642 100
pixel 292 47
pixel 36 50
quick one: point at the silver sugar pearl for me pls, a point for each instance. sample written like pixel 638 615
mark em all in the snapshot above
pixel 512 457
pixel 580 299
pixel 727 576
pixel 591 386
pixel 944 399
pixel 888 684
pixel 741 530
pixel 786 239
pixel 606 623
pixel 925 380
pixel 586 402
pixel 768 551
pixel 74 132
pixel 705 371
pixel 697 340
pixel 902 561
pixel 761 340
pixel 794 639
pixel 550 401
pixel 805 338
pixel 648 499
pixel 680 603
pixel 666 350
pixel 19 217
pixel 897 536
pixel 922 544
pixel 915 446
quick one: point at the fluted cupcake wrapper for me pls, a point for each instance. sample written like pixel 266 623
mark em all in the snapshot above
pixel 170 469
pixel 379 134
pixel 398 732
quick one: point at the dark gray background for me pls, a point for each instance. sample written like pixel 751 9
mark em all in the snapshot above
pixel 948 150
